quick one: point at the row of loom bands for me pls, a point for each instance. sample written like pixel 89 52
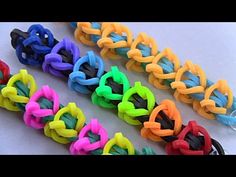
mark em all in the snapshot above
pixel 104 94
pixel 62 128
pixel 140 91
pixel 92 139
pixel 22 99
pixel 58 134
pixel 55 62
pixel 188 81
pixel 138 95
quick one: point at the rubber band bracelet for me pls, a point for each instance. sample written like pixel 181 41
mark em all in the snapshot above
pixel 135 104
pixel 189 81
pixel 64 124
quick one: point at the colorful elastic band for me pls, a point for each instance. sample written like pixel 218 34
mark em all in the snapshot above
pixel 136 104
pixel 64 124
pixel 189 81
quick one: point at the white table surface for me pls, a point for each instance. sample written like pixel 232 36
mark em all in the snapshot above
pixel 211 45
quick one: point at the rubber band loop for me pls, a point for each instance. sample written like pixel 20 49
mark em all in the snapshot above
pixel 103 94
pixel 121 141
pixel 11 92
pixel 57 130
pixel 77 79
pixel 37 40
pixel 152 129
pixel 83 145
pixel 181 146
pixel 33 114
pixel 126 109
pixel 54 63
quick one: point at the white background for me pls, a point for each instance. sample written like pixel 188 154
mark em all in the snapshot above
pixel 211 45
